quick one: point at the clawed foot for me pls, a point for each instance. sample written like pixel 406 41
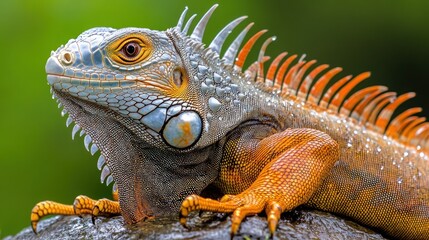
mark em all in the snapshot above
pixel 241 205
pixel 82 205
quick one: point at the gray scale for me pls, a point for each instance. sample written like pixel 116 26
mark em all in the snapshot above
pixel 214 104
pixel 202 69
pixel 100 162
pixel 147 109
pixel 234 88
pixel 217 78
pixel 130 103
pixel 136 116
pixel 139 105
pixel 132 109
pixel 220 91
pixel 101 100
pixel 204 87
pixel 104 173
pixel 95 76
pixel 165 104
pixel 157 102
pixel 155 119
pixel 211 89
pixel 69 72
pixel 112 100
pixel 83 94
pixel 173 110
pixel 124 112
pixel 209 81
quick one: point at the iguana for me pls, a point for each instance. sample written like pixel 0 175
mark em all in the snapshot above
pixel 177 121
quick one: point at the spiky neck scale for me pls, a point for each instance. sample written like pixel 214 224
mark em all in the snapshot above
pixel 229 97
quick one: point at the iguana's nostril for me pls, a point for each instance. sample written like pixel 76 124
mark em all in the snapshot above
pixel 66 58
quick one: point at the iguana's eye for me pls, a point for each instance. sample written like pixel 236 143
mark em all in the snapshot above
pixel 130 50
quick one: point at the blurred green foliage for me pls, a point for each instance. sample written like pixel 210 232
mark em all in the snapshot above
pixel 38 159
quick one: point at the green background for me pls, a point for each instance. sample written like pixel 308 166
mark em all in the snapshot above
pixel 38 159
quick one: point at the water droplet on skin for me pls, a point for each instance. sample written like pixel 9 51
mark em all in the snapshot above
pixel 400 180
pixel 378 149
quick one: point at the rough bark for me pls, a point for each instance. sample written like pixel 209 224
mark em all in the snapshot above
pixel 298 225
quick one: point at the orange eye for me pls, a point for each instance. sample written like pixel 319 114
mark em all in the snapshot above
pixel 130 49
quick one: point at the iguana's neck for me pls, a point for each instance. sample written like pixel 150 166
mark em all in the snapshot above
pixel 230 96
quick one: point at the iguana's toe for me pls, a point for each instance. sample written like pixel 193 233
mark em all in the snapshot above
pixel 241 205
pixel 82 205
pixel 105 207
pixel 48 208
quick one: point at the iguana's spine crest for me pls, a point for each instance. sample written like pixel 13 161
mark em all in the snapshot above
pixel 372 107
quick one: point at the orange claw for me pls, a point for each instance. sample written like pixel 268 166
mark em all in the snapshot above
pixel 47 208
pixel 273 211
pixel 102 207
pixel 105 207
pixel 82 205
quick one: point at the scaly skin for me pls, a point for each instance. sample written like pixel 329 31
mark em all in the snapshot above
pixel 171 120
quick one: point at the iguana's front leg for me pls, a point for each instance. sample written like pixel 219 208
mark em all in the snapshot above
pixel 290 164
pixel 82 205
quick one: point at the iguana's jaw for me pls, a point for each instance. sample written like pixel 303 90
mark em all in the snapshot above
pixel 151 182
pixel 103 129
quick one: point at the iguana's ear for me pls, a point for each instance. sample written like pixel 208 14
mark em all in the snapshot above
pixel 130 49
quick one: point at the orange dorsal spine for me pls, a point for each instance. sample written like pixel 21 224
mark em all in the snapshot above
pixel 371 106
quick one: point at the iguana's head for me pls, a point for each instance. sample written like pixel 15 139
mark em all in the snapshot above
pixel 134 88
pixel 169 84
pixel 136 73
